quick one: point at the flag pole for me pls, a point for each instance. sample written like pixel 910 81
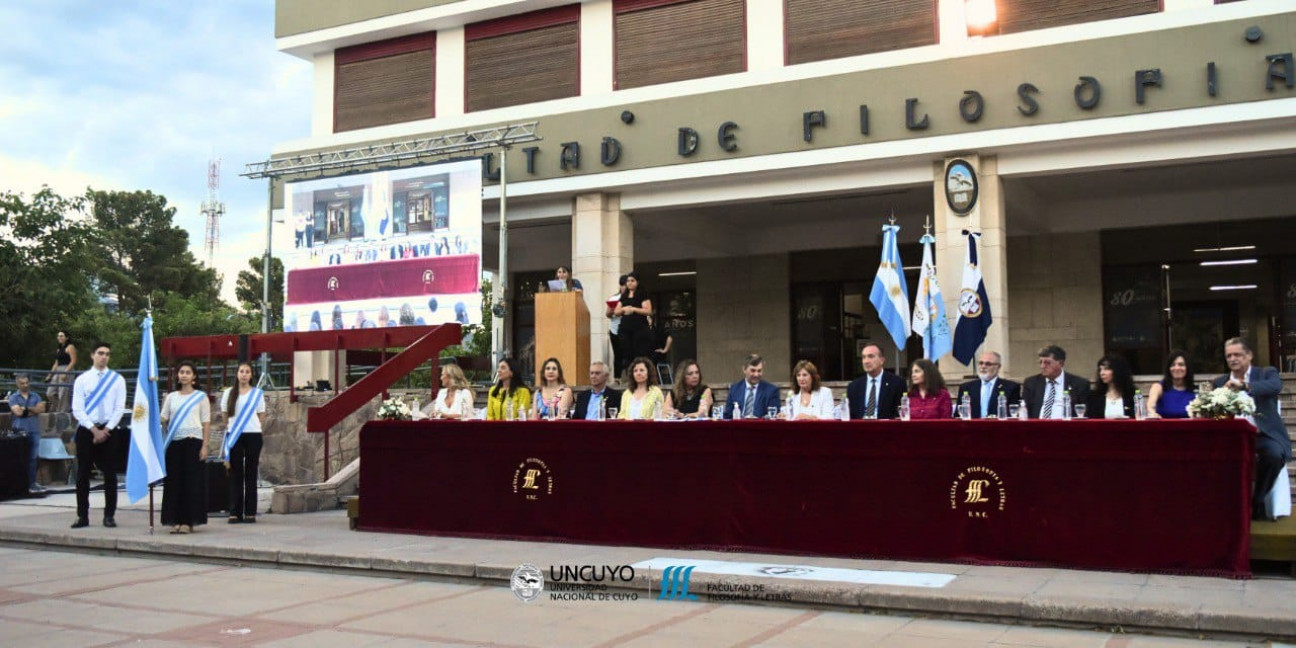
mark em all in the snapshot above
pixel 149 313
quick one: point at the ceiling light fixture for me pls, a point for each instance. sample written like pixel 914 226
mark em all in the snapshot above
pixel 1234 248
pixel 1238 287
pixel 677 274
pixel 1230 262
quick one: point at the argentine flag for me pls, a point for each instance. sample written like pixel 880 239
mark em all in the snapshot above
pixel 929 308
pixel 890 294
pixel 974 307
pixel 145 465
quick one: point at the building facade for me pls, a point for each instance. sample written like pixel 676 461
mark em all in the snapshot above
pixel 1134 161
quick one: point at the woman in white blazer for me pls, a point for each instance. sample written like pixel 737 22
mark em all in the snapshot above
pixel 810 400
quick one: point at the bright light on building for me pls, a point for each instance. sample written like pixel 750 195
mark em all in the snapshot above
pixel 981 16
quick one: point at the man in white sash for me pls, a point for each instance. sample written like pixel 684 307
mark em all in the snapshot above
pixel 98 399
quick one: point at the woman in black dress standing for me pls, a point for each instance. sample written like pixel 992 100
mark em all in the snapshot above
pixel 634 310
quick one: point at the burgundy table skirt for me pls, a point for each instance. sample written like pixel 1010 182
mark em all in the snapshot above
pixel 1166 496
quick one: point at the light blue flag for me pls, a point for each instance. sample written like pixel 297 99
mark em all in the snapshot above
pixel 890 294
pixel 929 308
pixel 146 465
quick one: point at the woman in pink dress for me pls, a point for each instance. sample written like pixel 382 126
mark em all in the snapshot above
pixel 927 396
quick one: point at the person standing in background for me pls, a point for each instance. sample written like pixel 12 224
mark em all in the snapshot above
pixel 25 408
pixel 65 359
pixel 98 398
pixel 614 326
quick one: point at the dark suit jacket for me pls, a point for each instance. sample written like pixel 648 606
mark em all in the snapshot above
pixel 888 399
pixel 767 396
pixel 972 388
pixel 1035 388
pixel 1096 405
pixel 1264 387
pixel 611 398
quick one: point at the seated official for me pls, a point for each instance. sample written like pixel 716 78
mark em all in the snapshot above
pixel 455 398
pixel 592 405
pixel 553 398
pixel 1273 445
pixel 1114 397
pixel 642 396
pixel 877 393
pixel 751 397
pixel 509 399
pixel 690 398
pixel 984 391
pixel 1170 397
pixel 811 400
pixel 1045 392
pixel 928 398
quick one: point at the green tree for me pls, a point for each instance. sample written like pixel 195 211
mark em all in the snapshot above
pixel 44 274
pixel 142 253
pixel 249 289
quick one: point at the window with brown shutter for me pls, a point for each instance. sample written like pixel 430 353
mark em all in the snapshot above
pixel 660 41
pixel 1024 15
pixel 523 59
pixel 387 82
pixel 817 30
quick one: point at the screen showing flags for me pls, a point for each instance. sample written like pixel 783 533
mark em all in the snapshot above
pixel 890 294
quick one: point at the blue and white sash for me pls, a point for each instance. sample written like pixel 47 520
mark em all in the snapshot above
pixel 241 418
pixel 178 417
pixel 95 399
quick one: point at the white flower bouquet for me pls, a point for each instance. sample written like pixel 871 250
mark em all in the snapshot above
pixel 1221 403
pixel 394 409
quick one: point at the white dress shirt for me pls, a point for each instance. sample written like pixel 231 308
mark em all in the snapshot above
pixel 110 408
pixel 254 421
pixel 192 426
pixel 1058 410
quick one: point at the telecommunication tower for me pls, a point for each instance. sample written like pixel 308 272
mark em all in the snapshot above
pixel 213 209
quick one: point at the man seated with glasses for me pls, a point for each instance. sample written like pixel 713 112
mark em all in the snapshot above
pixel 985 390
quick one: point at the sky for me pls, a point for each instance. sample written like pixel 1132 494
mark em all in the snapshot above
pixel 139 95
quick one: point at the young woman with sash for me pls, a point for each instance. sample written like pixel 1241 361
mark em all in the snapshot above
pixel 244 408
pixel 186 423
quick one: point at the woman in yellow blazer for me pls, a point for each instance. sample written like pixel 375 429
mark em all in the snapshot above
pixel 642 397
pixel 509 399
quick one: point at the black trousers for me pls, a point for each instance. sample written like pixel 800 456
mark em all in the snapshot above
pixel 635 344
pixel 1269 462
pixel 184 492
pixel 618 363
pixel 104 456
pixel 245 461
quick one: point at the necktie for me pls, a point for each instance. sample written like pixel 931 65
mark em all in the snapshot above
pixel 870 408
pixel 1049 397
pixel 749 404
pixel 987 398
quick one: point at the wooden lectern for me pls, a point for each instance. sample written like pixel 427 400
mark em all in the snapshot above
pixel 563 331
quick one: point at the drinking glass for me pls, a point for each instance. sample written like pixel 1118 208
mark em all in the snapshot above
pixel 612 412
pixel 771 413
pixel 717 412
pixel 1013 412
pixel 1080 410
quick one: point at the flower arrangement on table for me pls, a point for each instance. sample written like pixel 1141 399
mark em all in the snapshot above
pixel 1221 403
pixel 394 409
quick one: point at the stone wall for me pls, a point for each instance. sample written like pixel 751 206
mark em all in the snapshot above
pixel 743 307
pixel 1055 297
pixel 293 456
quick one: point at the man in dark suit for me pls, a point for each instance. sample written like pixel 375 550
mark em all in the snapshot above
pixel 985 390
pixel 877 393
pixel 599 397
pixel 751 394
pixel 1043 393
pixel 1273 446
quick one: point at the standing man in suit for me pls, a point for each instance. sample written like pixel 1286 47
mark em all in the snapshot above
pixel 1043 393
pixel 877 393
pixel 1273 446
pixel 752 394
pixel 590 403
pixel 984 391
pixel 98 398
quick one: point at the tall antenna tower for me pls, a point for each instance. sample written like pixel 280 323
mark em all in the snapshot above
pixel 213 209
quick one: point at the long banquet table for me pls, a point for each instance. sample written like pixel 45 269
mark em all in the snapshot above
pixel 1169 496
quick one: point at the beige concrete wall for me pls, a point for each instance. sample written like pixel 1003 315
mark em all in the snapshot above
pixel 1055 297
pixel 743 307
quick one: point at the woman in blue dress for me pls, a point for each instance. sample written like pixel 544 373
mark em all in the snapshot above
pixel 1170 397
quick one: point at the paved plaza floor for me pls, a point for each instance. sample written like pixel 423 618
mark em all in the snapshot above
pixel 307 580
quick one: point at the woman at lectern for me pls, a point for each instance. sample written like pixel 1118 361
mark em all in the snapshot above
pixel 509 399
pixel 553 398
pixel 569 284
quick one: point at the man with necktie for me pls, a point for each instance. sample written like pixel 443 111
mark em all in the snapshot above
pixel 752 394
pixel 877 393
pixel 98 398
pixel 1273 446
pixel 1043 393
pixel 985 390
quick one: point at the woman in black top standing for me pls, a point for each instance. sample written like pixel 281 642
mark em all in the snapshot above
pixel 634 309
pixel 60 376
